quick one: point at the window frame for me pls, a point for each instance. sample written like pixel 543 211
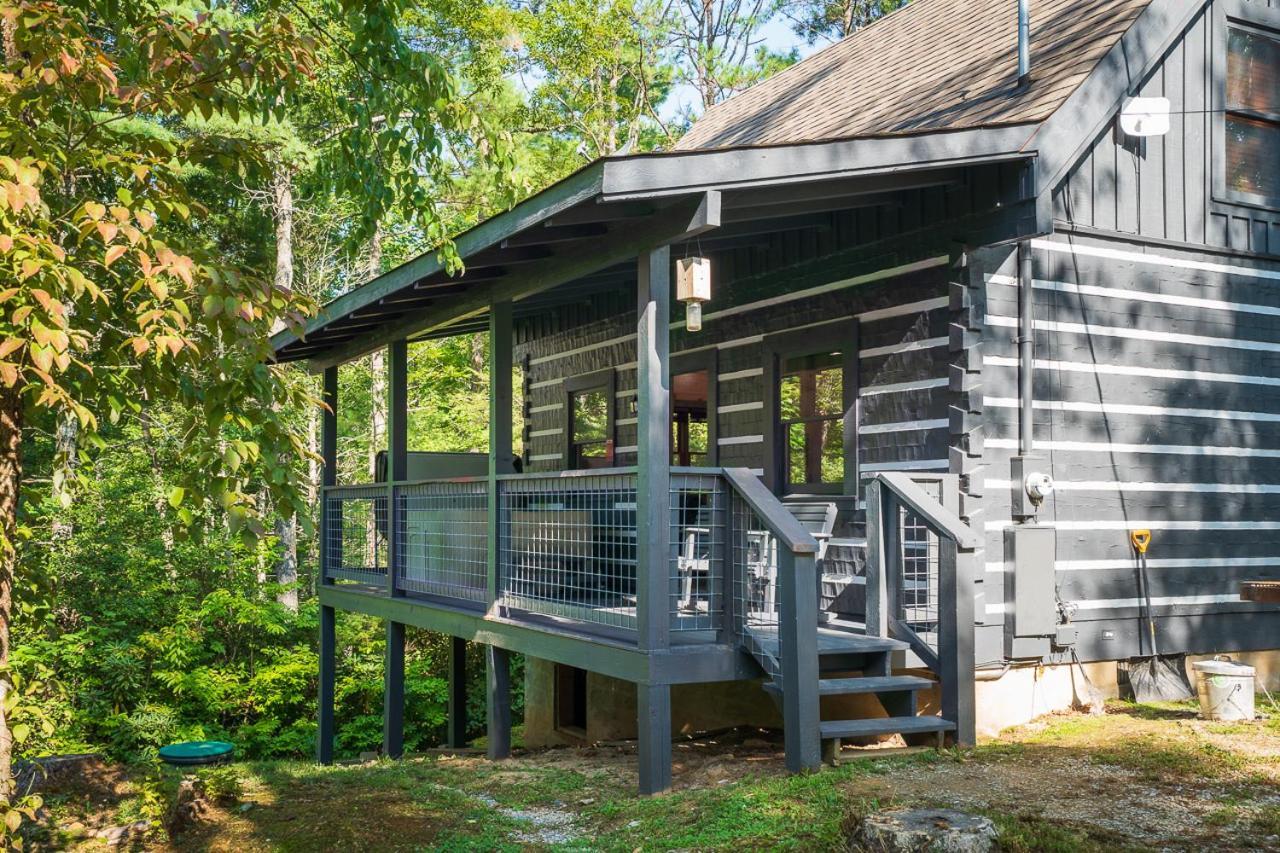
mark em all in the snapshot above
pixel 841 336
pixel 1242 15
pixel 693 362
pixel 575 385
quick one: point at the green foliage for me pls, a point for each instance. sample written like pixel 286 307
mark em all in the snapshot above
pixel 835 19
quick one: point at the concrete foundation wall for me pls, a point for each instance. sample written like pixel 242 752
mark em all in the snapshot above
pixel 1017 697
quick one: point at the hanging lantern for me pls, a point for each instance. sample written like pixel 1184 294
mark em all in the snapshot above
pixel 693 287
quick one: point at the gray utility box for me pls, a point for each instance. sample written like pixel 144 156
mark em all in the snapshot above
pixel 1032 617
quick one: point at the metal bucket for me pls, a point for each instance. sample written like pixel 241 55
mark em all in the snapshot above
pixel 1225 689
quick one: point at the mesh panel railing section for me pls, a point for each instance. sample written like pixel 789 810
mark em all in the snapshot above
pixel 917 601
pixel 755 584
pixel 443 529
pixel 355 522
pixel 568 546
pixel 696 578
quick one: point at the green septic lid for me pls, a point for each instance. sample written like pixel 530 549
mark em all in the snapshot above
pixel 196 752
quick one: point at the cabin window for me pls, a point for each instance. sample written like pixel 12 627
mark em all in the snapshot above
pixel 811 393
pixel 590 420
pixel 690 419
pixel 812 419
pixel 1252 122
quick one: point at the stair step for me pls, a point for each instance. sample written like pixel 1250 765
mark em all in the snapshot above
pixel 884 726
pixel 876 684
pixel 832 642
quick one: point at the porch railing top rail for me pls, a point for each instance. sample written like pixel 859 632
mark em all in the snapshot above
pixel 771 511
pixel 929 509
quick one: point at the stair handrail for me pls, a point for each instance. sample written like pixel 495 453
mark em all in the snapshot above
pixel 953 661
pixel 797 600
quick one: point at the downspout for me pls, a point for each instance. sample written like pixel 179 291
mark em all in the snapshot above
pixel 1024 42
pixel 1026 350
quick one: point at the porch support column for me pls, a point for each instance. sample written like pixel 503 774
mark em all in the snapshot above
pixel 457 692
pixel 328 642
pixel 653 419
pixel 653 508
pixel 501 455
pixel 498 661
pixel 498 696
pixel 397 471
pixel 654 702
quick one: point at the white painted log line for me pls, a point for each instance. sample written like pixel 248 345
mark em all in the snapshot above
pixel 908 465
pixel 902 426
pixel 1137 486
pixel 749 373
pixel 550 407
pixel 1127 370
pixel 1126 447
pixel 1137 334
pixel 1142 296
pixel 545 383
pixel 905 346
pixel 546 457
pixel 543 433
pixel 867 278
pixel 626 421
pixel 731 440
pixel 545 359
pixel 630 448
pixel 902 387
pixel 1125 603
pixel 1149 524
pixel 1153 259
pixel 1133 409
pixel 739 407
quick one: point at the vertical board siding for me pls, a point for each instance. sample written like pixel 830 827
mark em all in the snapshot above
pixel 1162 187
pixel 1157 387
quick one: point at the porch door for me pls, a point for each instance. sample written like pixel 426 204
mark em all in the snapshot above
pixel 590 420
pixel 693 410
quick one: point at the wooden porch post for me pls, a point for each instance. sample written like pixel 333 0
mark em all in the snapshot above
pixel 498 665
pixel 654 711
pixel 328 642
pixel 798 652
pixel 457 692
pixel 653 507
pixel 397 471
pixel 498 694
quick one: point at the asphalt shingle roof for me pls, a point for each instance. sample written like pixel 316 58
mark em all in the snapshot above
pixel 932 65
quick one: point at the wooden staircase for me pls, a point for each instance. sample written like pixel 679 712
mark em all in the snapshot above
pixel 841 652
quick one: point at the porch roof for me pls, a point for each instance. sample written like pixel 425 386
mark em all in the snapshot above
pixel 583 234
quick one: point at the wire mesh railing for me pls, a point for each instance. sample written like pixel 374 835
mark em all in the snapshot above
pixel 699 515
pixel 443 538
pixel 919 561
pixel 568 546
pixel 355 534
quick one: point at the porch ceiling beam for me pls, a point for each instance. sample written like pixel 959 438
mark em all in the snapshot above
pixel 770 210
pixel 846 188
pixel 698 213
pixel 596 213
pixel 557 234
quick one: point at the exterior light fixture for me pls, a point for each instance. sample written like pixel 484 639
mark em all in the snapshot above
pixel 693 287
pixel 1141 117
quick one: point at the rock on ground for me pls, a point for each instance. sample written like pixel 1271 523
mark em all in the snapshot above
pixel 932 830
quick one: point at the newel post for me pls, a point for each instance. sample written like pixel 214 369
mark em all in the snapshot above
pixel 798 650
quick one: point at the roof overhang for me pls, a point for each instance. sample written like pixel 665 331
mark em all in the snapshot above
pixel 615 208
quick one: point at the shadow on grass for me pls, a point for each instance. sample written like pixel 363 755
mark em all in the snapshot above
pixel 1154 710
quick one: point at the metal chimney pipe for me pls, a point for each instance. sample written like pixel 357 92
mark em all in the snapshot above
pixel 1024 42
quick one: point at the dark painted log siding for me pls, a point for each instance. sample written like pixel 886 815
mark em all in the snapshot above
pixel 1162 187
pixel 1158 394
pixel 906 425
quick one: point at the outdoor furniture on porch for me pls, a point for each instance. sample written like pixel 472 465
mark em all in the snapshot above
pixel 691 562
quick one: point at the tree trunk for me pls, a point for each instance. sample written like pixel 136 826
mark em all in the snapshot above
pixel 10 482
pixel 286 528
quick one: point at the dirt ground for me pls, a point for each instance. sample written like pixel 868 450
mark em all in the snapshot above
pixel 1140 777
